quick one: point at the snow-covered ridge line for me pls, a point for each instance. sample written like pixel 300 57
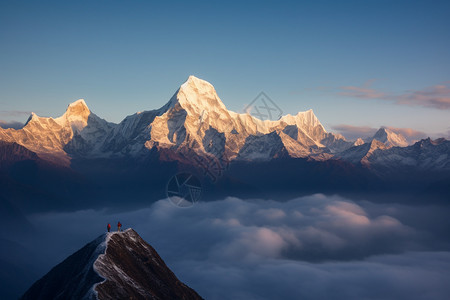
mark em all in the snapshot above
pixel 194 120
pixel 116 265
pixel 101 252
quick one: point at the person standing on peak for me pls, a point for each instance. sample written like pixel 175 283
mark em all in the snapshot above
pixel 108 227
pixel 119 225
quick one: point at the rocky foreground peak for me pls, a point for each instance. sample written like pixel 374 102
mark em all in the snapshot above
pixel 118 265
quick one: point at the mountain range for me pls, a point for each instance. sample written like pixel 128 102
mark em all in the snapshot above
pixel 56 159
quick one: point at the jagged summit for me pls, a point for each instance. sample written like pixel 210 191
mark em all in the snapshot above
pixel 76 115
pixel 430 142
pixel 390 138
pixel 33 117
pixel 302 118
pixel 197 95
pixel 362 152
pixel 78 103
pixel 117 265
pixel 77 132
pixel 198 83
pixel 194 122
pixel 195 119
pixel 358 142
pixel 77 110
pixel 376 144
pixel 78 107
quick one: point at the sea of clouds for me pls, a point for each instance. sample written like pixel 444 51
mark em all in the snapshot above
pixel 315 247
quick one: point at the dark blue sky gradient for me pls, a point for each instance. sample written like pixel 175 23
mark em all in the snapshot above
pixel 126 56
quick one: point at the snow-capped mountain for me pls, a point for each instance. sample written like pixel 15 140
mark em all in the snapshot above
pixel 389 138
pixel 425 155
pixel 361 153
pixel 80 159
pixel 194 120
pixel 193 123
pixel 118 265
pixel 76 132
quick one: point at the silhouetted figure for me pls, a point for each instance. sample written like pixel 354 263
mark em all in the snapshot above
pixel 109 227
pixel 119 225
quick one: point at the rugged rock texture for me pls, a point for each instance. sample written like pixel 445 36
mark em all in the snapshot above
pixel 113 266
pixel 11 153
pixel 389 138
pixel 133 270
pixel 76 132
pixel 194 123
pixel 194 119
pixel 195 132
pixel 362 153
pixel 425 155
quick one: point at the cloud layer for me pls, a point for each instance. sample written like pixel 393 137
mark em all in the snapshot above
pixel 12 124
pixel 315 247
pixel 437 96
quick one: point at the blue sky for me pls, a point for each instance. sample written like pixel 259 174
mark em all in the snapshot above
pixel 358 64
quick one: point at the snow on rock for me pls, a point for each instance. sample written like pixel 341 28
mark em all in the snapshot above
pixel 263 147
pixel 194 122
pixel 361 153
pixel 199 96
pixel 194 119
pixel 358 142
pixel 77 132
pixel 195 110
pixel 336 142
pixel 390 138
pixel 133 269
pixel 425 155
pixel 117 265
